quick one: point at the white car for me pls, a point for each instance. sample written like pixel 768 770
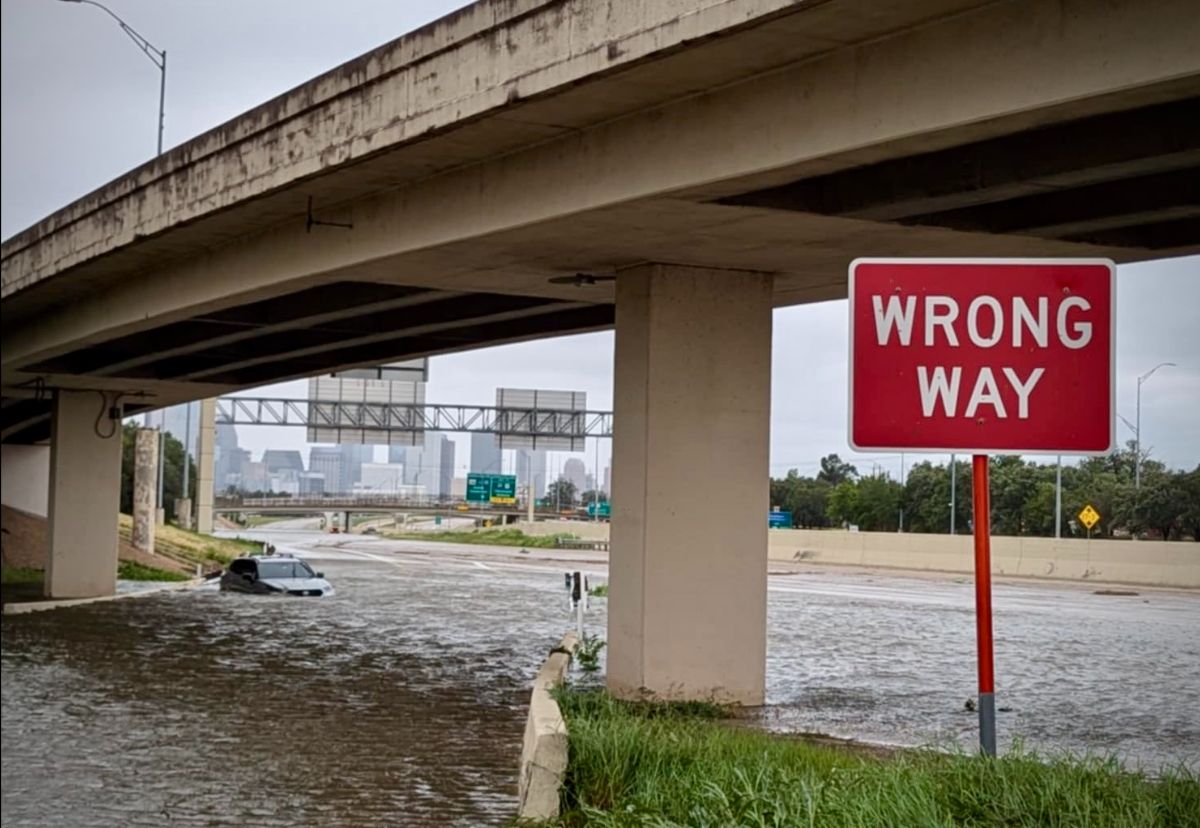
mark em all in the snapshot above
pixel 274 575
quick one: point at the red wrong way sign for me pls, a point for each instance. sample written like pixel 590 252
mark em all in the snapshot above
pixel 982 356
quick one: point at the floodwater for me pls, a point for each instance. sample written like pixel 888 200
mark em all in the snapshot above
pixel 401 699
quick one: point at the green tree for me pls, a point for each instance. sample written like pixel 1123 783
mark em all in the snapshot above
pixel 878 503
pixel 843 503
pixel 590 495
pixel 1189 521
pixel 561 493
pixel 1013 484
pixel 927 498
pixel 1161 504
pixel 835 471
pixel 806 498
pixel 172 471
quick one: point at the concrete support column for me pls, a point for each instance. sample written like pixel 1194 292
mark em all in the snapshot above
pixel 145 488
pixel 85 496
pixel 691 414
pixel 204 466
pixel 183 512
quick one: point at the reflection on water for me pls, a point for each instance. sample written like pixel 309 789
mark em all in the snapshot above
pixel 401 699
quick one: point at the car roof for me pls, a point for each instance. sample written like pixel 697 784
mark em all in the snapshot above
pixel 268 558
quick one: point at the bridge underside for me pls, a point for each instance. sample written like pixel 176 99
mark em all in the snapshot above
pixel 672 170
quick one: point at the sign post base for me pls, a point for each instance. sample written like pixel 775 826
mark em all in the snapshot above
pixel 983 604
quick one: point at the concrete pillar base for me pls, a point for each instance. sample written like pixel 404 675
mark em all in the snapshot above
pixel 688 562
pixel 204 466
pixel 145 487
pixel 85 497
pixel 183 512
pixel 160 517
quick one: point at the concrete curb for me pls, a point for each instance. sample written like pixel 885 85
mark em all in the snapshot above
pixel 544 752
pixel 25 607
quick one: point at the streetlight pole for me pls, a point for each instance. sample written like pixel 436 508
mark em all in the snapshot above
pixel 1137 429
pixel 953 492
pixel 157 56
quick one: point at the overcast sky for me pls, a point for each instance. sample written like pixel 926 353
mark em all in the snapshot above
pixel 80 108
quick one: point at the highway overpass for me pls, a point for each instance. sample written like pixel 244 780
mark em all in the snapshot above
pixel 526 169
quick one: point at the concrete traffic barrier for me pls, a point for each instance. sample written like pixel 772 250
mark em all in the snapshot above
pixel 544 751
pixel 1146 563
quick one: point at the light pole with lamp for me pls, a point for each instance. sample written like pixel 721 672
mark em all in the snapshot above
pixel 1137 429
pixel 157 56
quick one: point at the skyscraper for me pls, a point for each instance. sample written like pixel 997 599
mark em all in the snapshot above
pixel 327 460
pixel 576 472
pixel 353 457
pixel 227 457
pixel 485 455
pixel 430 466
pixel 279 460
pixel 531 470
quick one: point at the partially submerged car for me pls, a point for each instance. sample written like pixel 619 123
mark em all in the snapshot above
pixel 274 575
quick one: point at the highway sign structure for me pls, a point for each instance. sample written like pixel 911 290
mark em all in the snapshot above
pixel 777 519
pixel 1088 516
pixel 491 488
pixel 605 509
pixel 982 356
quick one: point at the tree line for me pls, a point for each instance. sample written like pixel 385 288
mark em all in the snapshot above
pixel 1166 504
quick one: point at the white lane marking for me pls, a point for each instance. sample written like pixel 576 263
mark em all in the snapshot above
pixel 482 565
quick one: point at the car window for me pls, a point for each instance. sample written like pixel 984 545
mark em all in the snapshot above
pixel 241 567
pixel 284 569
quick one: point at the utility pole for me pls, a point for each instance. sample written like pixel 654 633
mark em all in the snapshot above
pixel 1058 499
pixel 953 493
pixel 1137 430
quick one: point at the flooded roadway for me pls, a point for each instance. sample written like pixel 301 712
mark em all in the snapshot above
pixel 401 699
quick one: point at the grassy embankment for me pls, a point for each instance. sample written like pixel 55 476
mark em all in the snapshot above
pixel 667 765
pixel 180 550
pixel 484 537
pixel 184 549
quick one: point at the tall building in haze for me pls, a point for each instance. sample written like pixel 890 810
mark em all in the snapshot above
pixel 485 455
pixel 430 466
pixel 531 471
pixel 576 472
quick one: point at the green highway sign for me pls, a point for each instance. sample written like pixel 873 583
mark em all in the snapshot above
pixel 491 488
pixel 605 509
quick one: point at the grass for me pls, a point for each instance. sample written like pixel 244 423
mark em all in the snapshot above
pixel 599 591
pixel 646 764
pixel 191 548
pixel 486 537
pixel 21 583
pixel 131 571
pixel 11 575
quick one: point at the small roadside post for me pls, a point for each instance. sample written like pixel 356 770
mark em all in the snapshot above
pixel 982 357
pixel 577 591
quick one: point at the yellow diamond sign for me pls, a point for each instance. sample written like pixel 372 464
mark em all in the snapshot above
pixel 1088 516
